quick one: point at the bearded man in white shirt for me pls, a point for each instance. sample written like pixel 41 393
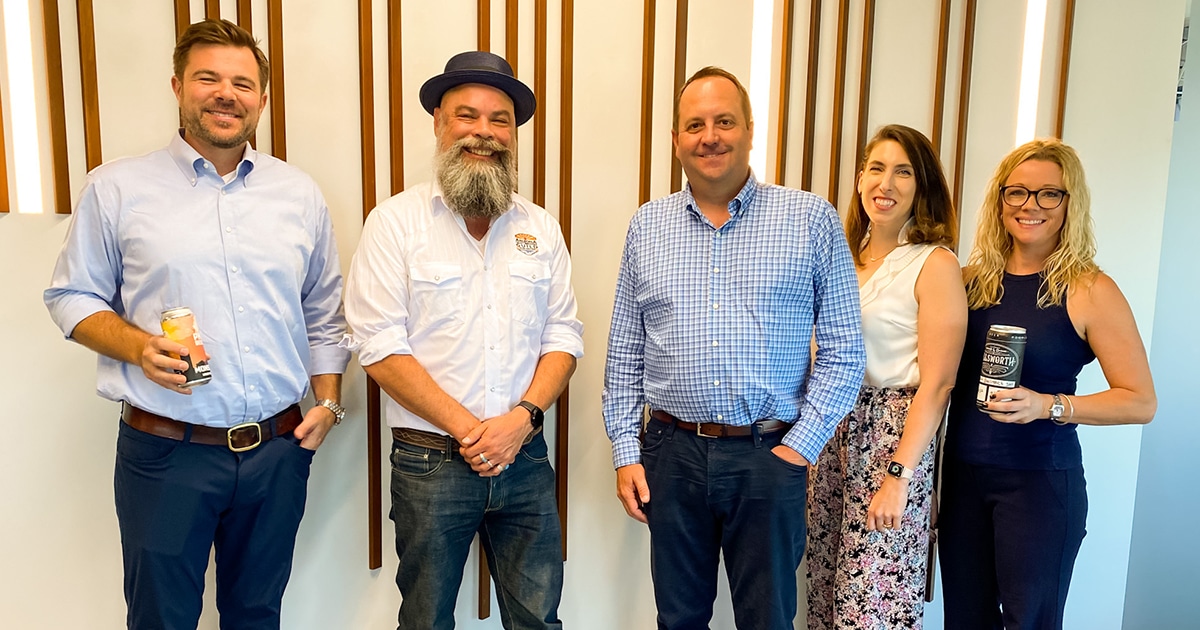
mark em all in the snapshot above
pixel 460 306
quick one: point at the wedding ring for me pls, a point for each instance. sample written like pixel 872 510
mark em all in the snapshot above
pixel 483 459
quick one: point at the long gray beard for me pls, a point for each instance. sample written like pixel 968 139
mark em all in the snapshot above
pixel 476 190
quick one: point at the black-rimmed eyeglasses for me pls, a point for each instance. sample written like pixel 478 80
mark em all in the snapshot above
pixel 1047 198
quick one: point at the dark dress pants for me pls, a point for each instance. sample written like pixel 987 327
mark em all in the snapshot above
pixel 1008 540
pixel 733 496
pixel 177 500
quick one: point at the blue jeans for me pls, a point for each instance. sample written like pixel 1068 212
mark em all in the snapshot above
pixel 177 500
pixel 439 504
pixel 732 496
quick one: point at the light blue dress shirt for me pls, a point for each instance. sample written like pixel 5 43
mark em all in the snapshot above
pixel 255 259
pixel 714 325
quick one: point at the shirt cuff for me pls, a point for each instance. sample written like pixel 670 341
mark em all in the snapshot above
pixel 390 341
pixel 626 451
pixel 562 338
pixel 74 309
pixel 803 440
pixel 328 360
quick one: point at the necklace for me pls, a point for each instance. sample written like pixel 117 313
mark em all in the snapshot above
pixel 880 257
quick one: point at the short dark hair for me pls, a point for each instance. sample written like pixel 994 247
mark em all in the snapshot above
pixel 713 71
pixel 219 33
pixel 934 218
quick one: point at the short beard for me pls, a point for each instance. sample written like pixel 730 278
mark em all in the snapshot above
pixel 191 124
pixel 476 190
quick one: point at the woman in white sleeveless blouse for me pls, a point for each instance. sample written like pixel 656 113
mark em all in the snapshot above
pixel 871 493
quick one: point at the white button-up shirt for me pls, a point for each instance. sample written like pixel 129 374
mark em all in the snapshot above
pixel 477 321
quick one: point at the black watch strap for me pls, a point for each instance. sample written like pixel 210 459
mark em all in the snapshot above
pixel 537 417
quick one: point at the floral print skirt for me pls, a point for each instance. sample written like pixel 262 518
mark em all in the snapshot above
pixel 857 578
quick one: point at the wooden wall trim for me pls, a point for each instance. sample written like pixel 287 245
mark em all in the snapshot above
pixel 785 88
pixel 1064 67
pixel 366 111
pixel 275 54
pixel 183 17
pixel 810 93
pixel 512 31
pixel 90 90
pixel 60 169
pixel 964 102
pixel 839 101
pixel 539 93
pixel 5 201
pixel 245 18
pixel 647 144
pixel 939 85
pixel 864 81
pixel 484 24
pixel 681 23
pixel 395 96
pixel 566 96
pixel 212 9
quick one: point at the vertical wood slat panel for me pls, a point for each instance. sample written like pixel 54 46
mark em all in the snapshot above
pixel 212 9
pixel 785 88
pixel 566 95
pixel 839 101
pixel 810 93
pixel 649 11
pixel 681 22
pixel 89 87
pixel 57 101
pixel 511 32
pixel 183 17
pixel 1064 66
pixel 484 24
pixel 864 81
pixel 245 18
pixel 275 54
pixel 366 110
pixel 395 96
pixel 5 202
pixel 964 102
pixel 539 92
pixel 939 86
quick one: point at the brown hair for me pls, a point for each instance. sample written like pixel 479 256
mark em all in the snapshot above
pixel 713 71
pixel 933 217
pixel 1073 260
pixel 219 33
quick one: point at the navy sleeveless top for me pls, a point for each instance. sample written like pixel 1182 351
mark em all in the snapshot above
pixel 1054 356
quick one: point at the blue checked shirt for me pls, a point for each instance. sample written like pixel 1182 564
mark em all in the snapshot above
pixel 714 325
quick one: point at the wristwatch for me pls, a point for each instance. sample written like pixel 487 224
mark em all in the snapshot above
pixel 537 417
pixel 1057 409
pixel 899 471
pixel 339 412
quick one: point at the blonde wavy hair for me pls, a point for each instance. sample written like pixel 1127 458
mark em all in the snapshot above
pixel 1070 262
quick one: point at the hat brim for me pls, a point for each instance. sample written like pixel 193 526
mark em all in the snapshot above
pixel 524 103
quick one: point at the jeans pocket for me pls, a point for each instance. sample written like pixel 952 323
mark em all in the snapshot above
pixel 536 450
pixel 415 461
pixel 144 449
pixel 654 436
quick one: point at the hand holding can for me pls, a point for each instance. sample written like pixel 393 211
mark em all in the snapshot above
pixel 179 325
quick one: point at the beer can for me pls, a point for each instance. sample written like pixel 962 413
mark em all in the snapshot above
pixel 1003 354
pixel 179 325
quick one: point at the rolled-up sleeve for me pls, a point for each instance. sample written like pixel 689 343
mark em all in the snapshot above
pixel 88 270
pixel 377 293
pixel 832 386
pixel 563 331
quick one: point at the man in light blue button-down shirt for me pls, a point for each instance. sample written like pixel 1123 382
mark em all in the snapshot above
pixel 245 241
pixel 721 290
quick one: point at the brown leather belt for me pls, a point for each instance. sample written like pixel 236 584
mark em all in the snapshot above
pixel 243 437
pixel 436 441
pixel 714 430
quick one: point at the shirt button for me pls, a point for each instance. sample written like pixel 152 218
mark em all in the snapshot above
pixel 234 270
pixel 716 270
pixel 716 343
pixel 207 166
pixel 241 309
pixel 716 306
pixel 720 417
pixel 228 230
pixel 222 192
pixel 437 277
pixel 492 389
pixel 489 306
pixel 246 348
pixel 716 382
pixel 491 347
pixel 251 388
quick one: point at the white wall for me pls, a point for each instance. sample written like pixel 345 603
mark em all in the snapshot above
pixel 59 531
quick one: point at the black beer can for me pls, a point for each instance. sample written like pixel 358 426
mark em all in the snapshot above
pixel 1003 355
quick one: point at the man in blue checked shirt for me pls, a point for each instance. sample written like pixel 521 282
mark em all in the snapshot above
pixel 722 288
pixel 245 241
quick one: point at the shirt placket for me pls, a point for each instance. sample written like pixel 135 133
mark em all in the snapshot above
pixel 494 326
pixel 718 313
pixel 240 292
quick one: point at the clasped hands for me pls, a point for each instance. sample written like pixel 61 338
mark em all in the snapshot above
pixel 493 444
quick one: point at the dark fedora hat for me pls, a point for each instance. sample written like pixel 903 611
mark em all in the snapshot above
pixel 480 67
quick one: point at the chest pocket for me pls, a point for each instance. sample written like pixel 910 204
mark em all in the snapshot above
pixel 529 291
pixel 436 293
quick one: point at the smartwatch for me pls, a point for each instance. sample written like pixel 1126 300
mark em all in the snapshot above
pixel 537 417
pixel 899 471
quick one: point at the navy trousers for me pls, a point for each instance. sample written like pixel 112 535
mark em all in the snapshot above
pixel 1008 542
pixel 177 500
pixel 728 496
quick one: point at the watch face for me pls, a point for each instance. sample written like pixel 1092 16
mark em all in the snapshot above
pixel 895 469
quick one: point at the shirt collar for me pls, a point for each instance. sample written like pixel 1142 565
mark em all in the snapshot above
pixel 191 163
pixel 737 205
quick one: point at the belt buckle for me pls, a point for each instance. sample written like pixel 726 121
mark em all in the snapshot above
pixel 700 432
pixel 240 429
